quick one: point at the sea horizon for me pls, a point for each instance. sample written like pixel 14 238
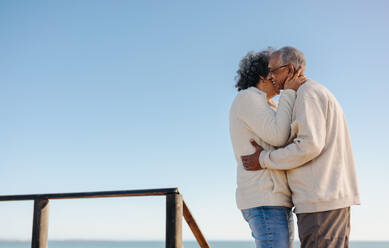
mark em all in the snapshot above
pixel 83 243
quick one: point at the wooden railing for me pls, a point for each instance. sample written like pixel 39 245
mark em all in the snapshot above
pixel 175 209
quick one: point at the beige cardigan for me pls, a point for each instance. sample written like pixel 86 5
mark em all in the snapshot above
pixel 252 117
pixel 319 159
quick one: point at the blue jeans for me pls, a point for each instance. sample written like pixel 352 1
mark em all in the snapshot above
pixel 271 227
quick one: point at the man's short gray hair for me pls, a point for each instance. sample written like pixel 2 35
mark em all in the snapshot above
pixel 290 55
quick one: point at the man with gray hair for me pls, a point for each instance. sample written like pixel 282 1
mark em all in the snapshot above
pixel 318 158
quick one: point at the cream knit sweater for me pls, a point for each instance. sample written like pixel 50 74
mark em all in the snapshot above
pixel 319 159
pixel 252 117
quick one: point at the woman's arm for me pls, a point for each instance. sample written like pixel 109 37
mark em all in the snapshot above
pixel 271 126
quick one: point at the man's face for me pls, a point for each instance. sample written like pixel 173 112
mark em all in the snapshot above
pixel 278 72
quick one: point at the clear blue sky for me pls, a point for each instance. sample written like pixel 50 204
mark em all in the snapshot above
pixel 114 95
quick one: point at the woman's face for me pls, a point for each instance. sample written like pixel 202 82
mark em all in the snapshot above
pixel 268 87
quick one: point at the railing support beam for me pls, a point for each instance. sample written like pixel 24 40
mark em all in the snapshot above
pixel 40 224
pixel 194 227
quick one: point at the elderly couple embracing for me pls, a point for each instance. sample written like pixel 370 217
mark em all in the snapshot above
pixel 294 153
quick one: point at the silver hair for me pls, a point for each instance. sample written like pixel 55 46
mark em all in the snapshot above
pixel 290 55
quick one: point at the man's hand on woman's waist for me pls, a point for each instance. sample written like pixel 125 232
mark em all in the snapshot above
pixel 251 162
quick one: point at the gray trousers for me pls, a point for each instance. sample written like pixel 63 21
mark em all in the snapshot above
pixel 328 229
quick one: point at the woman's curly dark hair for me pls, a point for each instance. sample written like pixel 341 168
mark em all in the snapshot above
pixel 251 67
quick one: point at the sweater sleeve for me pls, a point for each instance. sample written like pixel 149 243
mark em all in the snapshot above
pixel 309 142
pixel 271 126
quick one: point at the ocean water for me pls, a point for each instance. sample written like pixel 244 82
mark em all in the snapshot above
pixel 161 244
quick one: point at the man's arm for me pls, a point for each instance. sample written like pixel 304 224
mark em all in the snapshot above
pixel 310 140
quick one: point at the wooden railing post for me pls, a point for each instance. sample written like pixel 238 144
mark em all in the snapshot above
pixel 40 224
pixel 174 209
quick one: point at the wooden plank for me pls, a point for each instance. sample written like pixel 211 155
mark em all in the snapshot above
pixel 99 194
pixel 40 224
pixel 174 221
pixel 194 227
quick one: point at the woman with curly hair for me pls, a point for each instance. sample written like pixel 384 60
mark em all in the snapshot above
pixel 263 196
